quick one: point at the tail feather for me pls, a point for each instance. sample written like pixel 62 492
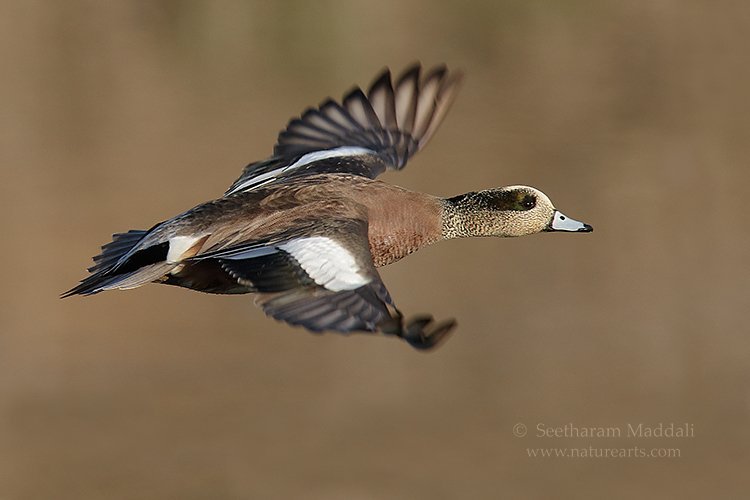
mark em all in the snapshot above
pixel 100 282
pixel 112 271
pixel 113 251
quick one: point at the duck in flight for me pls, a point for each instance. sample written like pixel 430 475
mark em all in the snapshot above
pixel 307 228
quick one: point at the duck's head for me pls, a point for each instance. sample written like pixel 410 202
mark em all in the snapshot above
pixel 505 211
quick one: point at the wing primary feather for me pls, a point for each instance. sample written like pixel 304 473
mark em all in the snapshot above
pixel 382 99
pixel 323 121
pixel 360 109
pixel 339 114
pixel 308 128
pixel 446 94
pixel 426 102
pixel 406 94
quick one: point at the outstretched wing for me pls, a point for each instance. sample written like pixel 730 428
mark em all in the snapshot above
pixel 323 281
pixel 363 135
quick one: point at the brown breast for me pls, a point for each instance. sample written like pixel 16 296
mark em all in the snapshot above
pixel 400 221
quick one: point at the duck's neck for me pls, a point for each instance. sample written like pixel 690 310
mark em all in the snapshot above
pixel 457 220
pixel 464 218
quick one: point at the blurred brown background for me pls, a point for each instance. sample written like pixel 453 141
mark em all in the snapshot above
pixel 632 116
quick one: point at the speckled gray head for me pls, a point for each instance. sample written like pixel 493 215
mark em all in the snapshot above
pixel 507 211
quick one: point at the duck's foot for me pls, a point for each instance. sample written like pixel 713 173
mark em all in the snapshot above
pixel 421 332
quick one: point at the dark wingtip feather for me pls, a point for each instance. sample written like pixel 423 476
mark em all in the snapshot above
pixel 411 72
pixel 383 80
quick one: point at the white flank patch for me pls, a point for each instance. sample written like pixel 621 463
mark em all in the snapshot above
pixel 304 160
pixel 327 262
pixel 178 245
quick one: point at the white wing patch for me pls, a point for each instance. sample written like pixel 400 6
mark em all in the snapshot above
pixel 179 245
pixel 327 262
pixel 267 177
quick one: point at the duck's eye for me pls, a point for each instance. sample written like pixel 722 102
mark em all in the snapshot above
pixel 528 202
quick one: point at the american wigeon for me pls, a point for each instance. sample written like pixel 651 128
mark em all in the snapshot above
pixel 306 228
